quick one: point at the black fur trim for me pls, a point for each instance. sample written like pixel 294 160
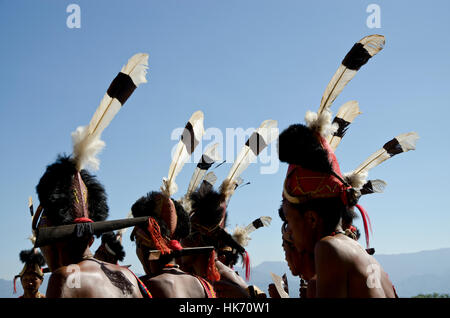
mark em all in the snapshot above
pixel 30 257
pixel 114 244
pixel 183 227
pixel 206 205
pixel 56 197
pixel 299 145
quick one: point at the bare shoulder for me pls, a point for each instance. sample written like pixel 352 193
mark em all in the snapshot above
pixel 175 285
pixel 68 282
pixel 230 275
pixel 341 248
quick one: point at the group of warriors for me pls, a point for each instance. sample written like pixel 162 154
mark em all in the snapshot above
pixel 183 244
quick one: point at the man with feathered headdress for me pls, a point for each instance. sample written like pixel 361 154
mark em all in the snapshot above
pixel 157 241
pixel 317 197
pixel 208 220
pixel 158 246
pixel 32 274
pixel 73 206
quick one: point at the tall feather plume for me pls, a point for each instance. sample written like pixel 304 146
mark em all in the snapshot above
pixel 397 145
pixel 359 54
pixel 344 117
pixel 86 140
pixel 192 134
pixel 257 142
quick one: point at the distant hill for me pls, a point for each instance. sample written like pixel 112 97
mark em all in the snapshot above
pixel 423 272
pixel 412 274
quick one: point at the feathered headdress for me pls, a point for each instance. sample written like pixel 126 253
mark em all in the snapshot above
pixel 209 207
pixel 33 261
pixel 242 236
pixel 209 157
pixel 255 144
pixel 314 171
pixel 168 220
pixel 67 192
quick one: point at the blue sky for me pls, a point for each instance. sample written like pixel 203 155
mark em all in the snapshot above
pixel 240 62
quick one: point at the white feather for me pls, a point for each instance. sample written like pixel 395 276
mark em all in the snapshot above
pixel 181 155
pixel 321 123
pixel 86 140
pixel 356 180
pixel 348 112
pixel 211 153
pixel 241 236
pixel 373 44
pixel 407 142
pixel 378 185
pixel 268 130
pixel 266 220
pixel 211 178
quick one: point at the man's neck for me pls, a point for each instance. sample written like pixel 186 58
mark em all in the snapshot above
pixel 30 294
pixel 68 258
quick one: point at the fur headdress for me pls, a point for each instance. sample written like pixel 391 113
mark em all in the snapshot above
pixel 34 261
pixel 314 171
pixel 67 192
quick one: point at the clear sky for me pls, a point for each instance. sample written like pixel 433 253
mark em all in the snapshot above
pixel 240 62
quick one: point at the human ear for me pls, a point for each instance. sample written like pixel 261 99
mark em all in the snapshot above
pixel 312 218
pixel 91 241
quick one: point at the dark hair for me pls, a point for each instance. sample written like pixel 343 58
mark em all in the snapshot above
pixel 146 205
pixel 114 244
pixel 231 257
pixel 206 206
pixel 32 256
pixel 329 209
pixel 56 197
pixel 183 227
pixel 281 213
pixel 299 145
pixel 348 216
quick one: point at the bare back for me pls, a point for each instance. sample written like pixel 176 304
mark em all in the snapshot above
pixel 174 283
pixel 93 279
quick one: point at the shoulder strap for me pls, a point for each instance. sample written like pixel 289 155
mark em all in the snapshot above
pixel 207 287
pixel 144 291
